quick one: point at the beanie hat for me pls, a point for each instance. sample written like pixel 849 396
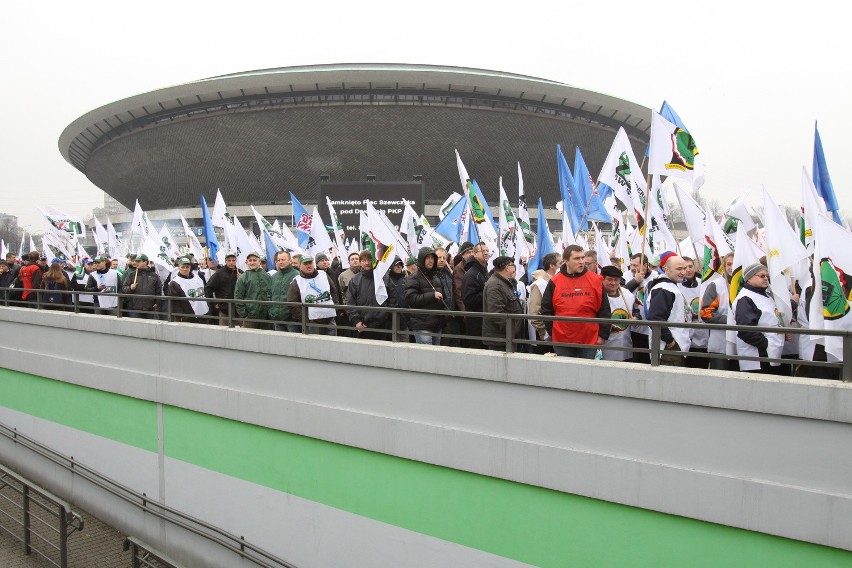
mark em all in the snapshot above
pixel 751 270
pixel 665 256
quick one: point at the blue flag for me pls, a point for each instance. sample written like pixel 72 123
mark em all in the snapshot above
pixel 212 243
pixel 822 181
pixel 591 201
pixel 271 249
pixel 472 231
pixel 544 244
pixel 450 226
pixel 571 200
pixel 301 221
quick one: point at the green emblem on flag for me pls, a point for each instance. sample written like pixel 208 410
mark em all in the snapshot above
pixel 475 204
pixel 834 302
pixel 622 171
pixel 684 151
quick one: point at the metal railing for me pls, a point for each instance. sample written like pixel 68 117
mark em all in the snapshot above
pixel 397 332
pixel 235 544
pixel 144 556
pixel 44 521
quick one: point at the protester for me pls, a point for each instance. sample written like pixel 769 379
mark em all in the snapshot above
pixel 312 286
pixel 690 287
pixel 103 280
pixel 500 296
pixel 576 292
pixel 142 281
pixel 189 285
pixel 622 305
pixel 53 286
pixel 369 324
pixel 550 264
pixel 755 306
pixel 424 289
pixel 714 309
pixel 666 303
pixel 221 286
pixel 284 274
pixel 473 283
pixel 253 284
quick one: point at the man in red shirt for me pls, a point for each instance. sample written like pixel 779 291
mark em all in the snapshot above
pixel 577 292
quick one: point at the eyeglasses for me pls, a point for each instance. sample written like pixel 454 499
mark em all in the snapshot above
pixel 762 275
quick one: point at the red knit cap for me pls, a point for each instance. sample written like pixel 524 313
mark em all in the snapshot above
pixel 664 257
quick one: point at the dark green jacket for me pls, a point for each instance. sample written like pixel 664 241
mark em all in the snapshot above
pixel 253 285
pixel 280 284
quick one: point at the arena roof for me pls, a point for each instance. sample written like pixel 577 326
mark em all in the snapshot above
pixel 138 163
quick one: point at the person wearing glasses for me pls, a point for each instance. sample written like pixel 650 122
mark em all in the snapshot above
pixel 754 306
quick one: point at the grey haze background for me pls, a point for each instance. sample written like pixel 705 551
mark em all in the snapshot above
pixel 748 78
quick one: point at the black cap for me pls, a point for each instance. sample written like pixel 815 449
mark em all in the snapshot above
pixel 465 246
pixel 502 262
pixel 611 271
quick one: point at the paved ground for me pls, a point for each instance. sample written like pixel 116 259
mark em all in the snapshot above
pixel 96 546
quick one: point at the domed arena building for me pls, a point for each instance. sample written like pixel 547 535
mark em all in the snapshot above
pixel 258 135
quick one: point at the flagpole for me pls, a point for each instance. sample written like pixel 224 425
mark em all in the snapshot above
pixel 586 212
pixel 647 210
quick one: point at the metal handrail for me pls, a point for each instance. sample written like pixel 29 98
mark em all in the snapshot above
pixel 510 343
pixel 234 543
pixel 31 494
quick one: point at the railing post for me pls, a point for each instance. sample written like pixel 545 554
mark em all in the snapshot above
pixel 846 371
pixel 26 504
pixel 118 306
pixel 63 538
pixel 510 345
pixel 76 297
pixel 654 344
pixel 231 308
pixel 38 298
pixel 169 310
pixel 304 310
pixel 395 327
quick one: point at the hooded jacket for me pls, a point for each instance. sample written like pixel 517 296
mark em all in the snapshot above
pixel 420 289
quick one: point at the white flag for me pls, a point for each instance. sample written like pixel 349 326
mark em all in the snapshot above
pixel 524 217
pixel 384 252
pixel 622 173
pixel 319 242
pixel 673 151
pixel 832 277
pixel 219 217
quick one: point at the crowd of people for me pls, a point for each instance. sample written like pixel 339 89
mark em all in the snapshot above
pixel 332 300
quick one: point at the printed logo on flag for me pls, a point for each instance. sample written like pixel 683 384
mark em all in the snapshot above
pixel 684 151
pixel 304 223
pixel 834 302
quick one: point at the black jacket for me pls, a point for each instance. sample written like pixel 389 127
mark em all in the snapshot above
pixel 221 285
pixel 473 284
pixel 362 292
pixel 748 314
pixel 148 283
pixel 420 289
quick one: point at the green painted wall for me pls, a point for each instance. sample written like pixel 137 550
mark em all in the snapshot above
pixel 530 524
pixel 120 418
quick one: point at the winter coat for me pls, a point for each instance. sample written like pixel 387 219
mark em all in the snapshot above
pixel 253 285
pixel 473 284
pixel 221 285
pixel 148 283
pixel 281 281
pixel 362 292
pixel 500 297
pixel 420 289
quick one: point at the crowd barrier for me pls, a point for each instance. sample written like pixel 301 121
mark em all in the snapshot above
pixel 397 332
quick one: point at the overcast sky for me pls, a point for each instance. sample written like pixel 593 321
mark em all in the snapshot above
pixel 748 78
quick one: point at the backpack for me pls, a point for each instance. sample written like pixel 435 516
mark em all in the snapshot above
pixel 51 297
